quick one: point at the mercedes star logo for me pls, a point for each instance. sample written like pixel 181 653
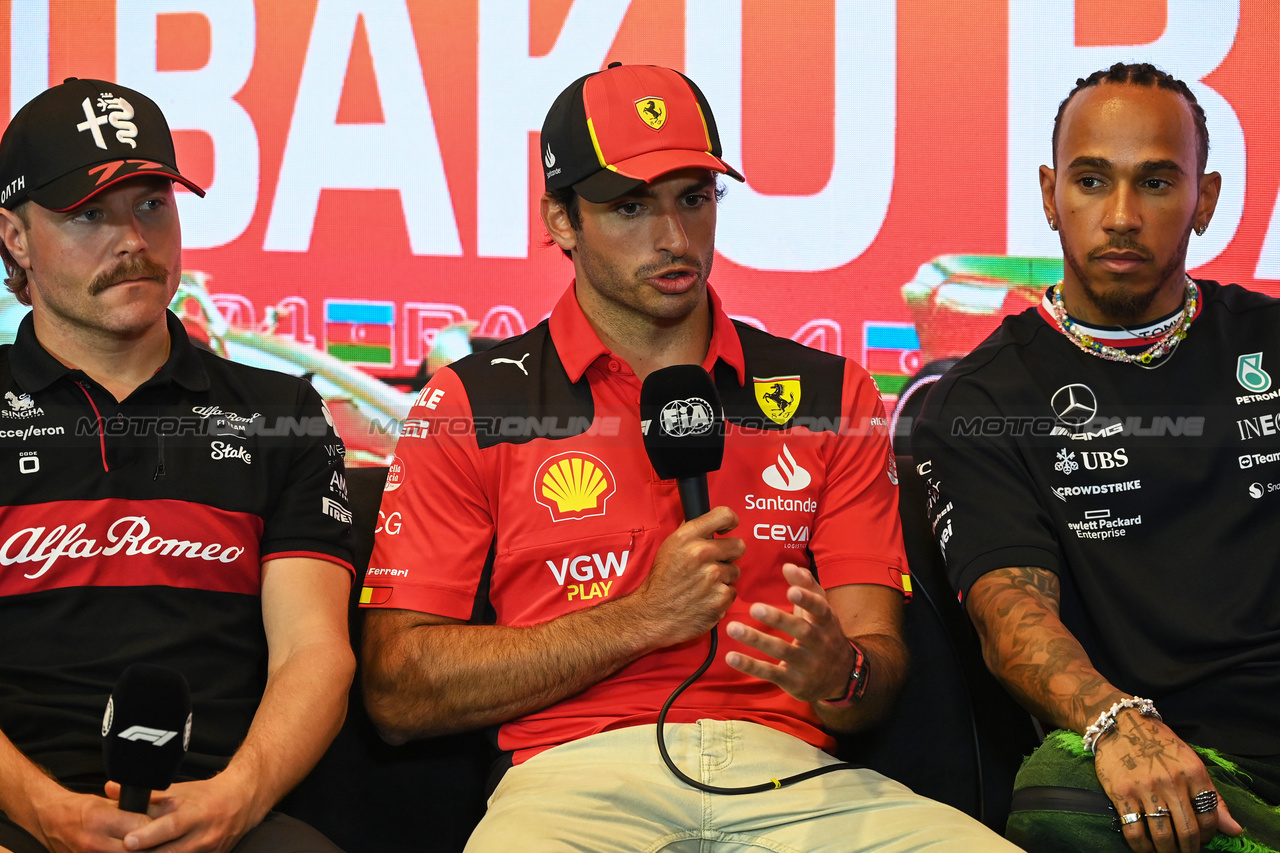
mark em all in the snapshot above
pixel 1075 405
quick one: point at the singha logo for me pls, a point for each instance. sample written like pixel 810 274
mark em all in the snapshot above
pixel 19 404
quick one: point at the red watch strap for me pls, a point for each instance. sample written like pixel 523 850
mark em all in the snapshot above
pixel 857 680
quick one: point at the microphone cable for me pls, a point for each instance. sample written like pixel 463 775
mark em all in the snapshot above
pixel 772 784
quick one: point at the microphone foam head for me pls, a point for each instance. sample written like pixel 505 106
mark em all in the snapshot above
pixel 147 726
pixel 685 425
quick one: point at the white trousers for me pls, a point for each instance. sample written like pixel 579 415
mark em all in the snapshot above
pixel 611 792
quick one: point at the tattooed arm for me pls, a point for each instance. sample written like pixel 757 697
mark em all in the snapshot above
pixel 1142 765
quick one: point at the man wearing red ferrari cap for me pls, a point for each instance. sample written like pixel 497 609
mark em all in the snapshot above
pixel 147 517
pixel 544 580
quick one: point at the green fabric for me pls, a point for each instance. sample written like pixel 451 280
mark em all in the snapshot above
pixel 1062 761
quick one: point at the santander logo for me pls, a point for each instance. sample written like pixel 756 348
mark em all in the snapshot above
pixel 41 547
pixel 786 474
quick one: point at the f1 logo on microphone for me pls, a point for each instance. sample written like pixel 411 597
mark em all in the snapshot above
pixel 157 737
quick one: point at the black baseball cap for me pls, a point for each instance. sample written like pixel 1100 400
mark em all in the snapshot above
pixel 74 140
pixel 616 129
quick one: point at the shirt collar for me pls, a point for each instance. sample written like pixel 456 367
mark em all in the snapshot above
pixel 579 346
pixel 36 369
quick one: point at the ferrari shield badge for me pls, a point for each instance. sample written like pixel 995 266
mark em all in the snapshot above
pixel 778 396
pixel 652 111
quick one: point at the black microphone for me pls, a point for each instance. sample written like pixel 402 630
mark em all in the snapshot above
pixel 683 431
pixel 145 732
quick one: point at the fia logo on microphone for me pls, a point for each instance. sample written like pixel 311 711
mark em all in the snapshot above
pixel 681 418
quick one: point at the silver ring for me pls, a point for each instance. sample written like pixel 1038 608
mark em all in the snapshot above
pixel 1131 817
pixel 1160 812
pixel 1204 802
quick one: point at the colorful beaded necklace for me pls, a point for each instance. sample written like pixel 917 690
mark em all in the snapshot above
pixel 1167 341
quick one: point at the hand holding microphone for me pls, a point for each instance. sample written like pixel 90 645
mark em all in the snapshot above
pixel 692 577
pixel 145 732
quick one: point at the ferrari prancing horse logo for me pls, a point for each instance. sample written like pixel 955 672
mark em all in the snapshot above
pixel 652 111
pixel 778 396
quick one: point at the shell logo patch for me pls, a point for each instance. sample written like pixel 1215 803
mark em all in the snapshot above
pixel 778 396
pixel 573 486
pixel 652 111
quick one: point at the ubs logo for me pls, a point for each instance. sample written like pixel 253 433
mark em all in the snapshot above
pixel 1074 405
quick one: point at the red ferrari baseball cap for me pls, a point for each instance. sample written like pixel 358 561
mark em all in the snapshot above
pixel 616 129
pixel 74 140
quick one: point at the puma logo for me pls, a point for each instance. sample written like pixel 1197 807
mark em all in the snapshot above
pixel 519 364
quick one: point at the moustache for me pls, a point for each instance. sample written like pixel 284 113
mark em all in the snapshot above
pixel 1121 245
pixel 670 260
pixel 135 269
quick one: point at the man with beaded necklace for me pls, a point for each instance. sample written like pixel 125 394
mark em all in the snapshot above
pixel 1100 482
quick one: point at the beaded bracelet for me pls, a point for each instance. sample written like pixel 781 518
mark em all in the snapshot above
pixel 1107 719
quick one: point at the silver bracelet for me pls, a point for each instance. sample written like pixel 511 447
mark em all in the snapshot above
pixel 1107 719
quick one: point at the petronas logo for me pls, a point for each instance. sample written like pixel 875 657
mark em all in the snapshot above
pixel 574 486
pixel 1250 374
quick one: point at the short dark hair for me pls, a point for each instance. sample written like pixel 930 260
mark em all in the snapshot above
pixel 17 276
pixel 1141 74
pixel 568 199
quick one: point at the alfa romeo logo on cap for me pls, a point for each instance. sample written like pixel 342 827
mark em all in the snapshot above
pixel 1074 405
pixel 118 114
pixel 652 111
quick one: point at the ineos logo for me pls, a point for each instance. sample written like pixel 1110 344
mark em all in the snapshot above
pixel 1074 405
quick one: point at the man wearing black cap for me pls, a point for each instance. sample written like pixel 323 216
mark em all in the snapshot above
pixel 544 580
pixel 147 514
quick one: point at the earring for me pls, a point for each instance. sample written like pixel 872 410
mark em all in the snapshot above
pixel 1200 229
pixel 1053 224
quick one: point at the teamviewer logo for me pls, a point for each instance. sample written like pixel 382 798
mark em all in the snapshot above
pixel 1246 461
